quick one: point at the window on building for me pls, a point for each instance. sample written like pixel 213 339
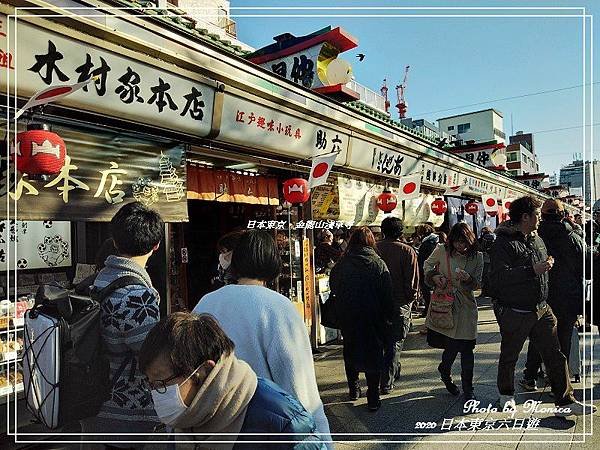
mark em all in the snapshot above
pixel 451 127
pixel 499 133
pixel 512 156
pixel 464 127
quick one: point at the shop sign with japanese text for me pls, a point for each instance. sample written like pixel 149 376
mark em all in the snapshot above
pixel 250 124
pixel 102 171
pixel 374 158
pixel 125 88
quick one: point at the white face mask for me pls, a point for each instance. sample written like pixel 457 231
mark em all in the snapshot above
pixel 169 405
pixel 225 260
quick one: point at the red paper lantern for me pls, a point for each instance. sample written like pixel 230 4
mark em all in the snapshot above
pixel 39 151
pixel 439 207
pixel 387 201
pixel 471 208
pixel 295 190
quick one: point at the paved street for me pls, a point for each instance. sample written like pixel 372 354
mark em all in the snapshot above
pixel 421 397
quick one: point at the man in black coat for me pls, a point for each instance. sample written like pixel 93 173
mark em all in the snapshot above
pixel 519 283
pixel 565 288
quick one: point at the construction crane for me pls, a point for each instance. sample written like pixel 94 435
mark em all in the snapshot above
pixel 384 92
pixel 402 106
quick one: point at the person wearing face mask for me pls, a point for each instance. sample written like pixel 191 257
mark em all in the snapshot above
pixel 198 385
pixel 225 246
pixel 268 332
pixel 457 267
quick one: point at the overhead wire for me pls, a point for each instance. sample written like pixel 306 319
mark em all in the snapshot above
pixel 549 91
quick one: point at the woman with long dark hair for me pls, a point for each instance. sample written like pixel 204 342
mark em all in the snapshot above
pixel 362 285
pixel 456 267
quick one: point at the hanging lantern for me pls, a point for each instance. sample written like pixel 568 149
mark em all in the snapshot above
pixel 38 151
pixel 471 208
pixel 492 213
pixel 295 190
pixel 439 207
pixel 387 201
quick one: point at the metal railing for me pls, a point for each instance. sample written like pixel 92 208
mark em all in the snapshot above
pixel 368 96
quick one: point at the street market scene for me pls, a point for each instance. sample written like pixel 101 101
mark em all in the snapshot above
pixel 239 225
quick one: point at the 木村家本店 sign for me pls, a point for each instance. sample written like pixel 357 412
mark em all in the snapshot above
pixel 102 171
pixel 125 88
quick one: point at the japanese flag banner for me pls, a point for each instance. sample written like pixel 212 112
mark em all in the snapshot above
pixel 321 166
pixel 489 203
pixel 454 191
pixel 52 94
pixel 410 186
pixel 506 203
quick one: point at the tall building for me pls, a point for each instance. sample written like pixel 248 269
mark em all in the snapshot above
pixel 572 176
pixel 479 126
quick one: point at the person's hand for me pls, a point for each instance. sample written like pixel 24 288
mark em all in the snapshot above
pixel 462 275
pixel 440 281
pixel 542 267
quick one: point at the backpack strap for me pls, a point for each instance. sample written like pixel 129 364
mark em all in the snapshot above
pixel 100 295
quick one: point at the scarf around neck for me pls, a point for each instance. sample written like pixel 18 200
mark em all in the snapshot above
pixel 221 403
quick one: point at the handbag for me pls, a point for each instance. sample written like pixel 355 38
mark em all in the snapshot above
pixel 440 306
pixel 329 316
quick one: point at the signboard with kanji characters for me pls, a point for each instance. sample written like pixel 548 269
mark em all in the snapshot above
pixel 35 245
pixel 250 124
pixel 375 158
pixel 125 88
pixel 102 171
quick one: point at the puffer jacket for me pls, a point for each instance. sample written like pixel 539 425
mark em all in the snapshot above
pixel 566 277
pixel 272 410
pixel 513 282
pixel 363 287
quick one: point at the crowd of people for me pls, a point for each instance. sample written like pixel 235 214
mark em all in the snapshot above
pixel 241 361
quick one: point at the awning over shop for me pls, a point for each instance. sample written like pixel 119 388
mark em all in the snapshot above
pixel 229 186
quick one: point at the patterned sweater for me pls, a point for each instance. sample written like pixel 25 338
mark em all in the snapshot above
pixel 128 314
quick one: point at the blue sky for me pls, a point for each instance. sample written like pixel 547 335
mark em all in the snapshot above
pixel 460 61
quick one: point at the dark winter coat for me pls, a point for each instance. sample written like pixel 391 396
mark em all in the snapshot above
pixel 272 410
pixel 567 247
pixel 513 281
pixel 425 250
pixel 363 287
pixel 401 261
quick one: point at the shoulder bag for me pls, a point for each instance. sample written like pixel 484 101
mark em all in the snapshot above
pixel 442 300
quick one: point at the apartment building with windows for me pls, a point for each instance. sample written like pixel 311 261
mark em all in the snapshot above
pixel 521 158
pixel 479 126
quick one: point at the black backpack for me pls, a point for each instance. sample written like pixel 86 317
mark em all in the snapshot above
pixel 66 368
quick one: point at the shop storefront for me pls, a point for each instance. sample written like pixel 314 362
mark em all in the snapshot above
pixel 210 156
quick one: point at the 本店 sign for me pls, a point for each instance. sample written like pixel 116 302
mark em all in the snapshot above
pixel 250 124
pixel 125 88
pixel 102 171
